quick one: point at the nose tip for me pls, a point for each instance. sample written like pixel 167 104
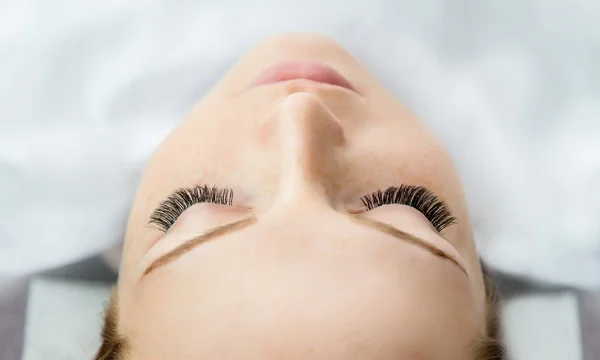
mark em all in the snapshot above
pixel 306 111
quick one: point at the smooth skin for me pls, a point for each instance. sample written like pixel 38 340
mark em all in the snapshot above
pixel 303 279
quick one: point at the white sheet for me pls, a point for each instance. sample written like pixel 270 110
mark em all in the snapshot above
pixel 88 88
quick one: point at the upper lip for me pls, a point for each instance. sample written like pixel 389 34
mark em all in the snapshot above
pixel 310 70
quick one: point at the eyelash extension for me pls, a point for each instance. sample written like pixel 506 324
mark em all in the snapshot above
pixel 418 197
pixel 169 210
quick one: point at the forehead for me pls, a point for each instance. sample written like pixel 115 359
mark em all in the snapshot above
pixel 324 297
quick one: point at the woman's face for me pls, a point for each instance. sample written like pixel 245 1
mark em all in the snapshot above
pixel 293 265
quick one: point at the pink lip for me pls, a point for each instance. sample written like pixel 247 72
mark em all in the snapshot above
pixel 310 70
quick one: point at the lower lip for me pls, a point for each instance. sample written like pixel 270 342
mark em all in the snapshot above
pixel 292 70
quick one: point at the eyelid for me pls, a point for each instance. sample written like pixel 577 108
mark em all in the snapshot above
pixel 416 196
pixel 169 210
pixel 399 212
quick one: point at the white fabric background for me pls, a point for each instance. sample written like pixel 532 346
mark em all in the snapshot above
pixel 88 88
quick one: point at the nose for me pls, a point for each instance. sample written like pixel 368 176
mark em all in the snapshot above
pixel 310 139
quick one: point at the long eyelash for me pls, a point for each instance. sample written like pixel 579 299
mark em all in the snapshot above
pixel 169 210
pixel 418 197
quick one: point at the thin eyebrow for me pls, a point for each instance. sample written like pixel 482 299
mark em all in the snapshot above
pixel 198 240
pixel 404 236
pixel 242 224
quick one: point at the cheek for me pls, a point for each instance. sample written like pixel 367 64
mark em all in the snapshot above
pixel 409 151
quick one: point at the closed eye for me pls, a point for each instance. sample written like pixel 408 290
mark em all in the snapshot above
pixel 181 199
pixel 417 197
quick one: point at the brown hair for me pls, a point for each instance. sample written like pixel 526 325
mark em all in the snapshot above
pixel 114 346
pixel 489 347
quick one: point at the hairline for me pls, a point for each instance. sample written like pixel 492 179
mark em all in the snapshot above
pixel 488 346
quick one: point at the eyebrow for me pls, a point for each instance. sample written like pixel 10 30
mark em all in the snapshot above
pixel 406 237
pixel 191 244
pixel 236 226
